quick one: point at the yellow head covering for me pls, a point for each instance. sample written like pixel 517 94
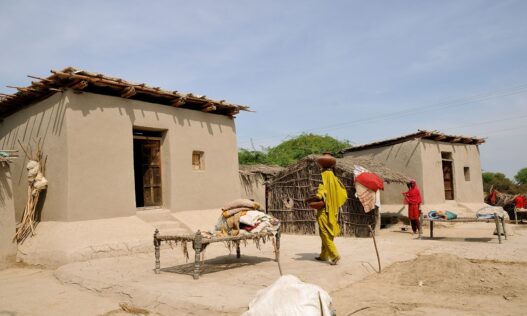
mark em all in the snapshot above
pixel 334 195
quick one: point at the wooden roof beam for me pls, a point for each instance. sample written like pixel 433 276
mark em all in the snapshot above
pixel 112 83
pixel 179 102
pixel 21 89
pixel 440 137
pixel 41 79
pixel 234 112
pixel 128 92
pixel 456 140
pixel 81 85
pixel 209 107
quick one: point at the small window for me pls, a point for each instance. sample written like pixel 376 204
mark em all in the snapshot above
pixel 446 155
pixel 197 160
pixel 466 171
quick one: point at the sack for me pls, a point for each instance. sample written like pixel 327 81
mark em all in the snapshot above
pixel 371 181
pixel 290 296
pixel 238 203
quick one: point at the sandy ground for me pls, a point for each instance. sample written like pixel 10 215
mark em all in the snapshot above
pixel 463 272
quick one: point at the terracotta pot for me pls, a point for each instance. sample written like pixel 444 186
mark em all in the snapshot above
pixel 317 205
pixel 326 160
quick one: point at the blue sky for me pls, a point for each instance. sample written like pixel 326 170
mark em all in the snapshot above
pixel 356 70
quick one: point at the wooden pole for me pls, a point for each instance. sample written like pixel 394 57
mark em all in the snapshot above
pixel 376 250
pixel 277 250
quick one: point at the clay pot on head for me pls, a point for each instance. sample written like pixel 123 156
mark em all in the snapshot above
pixel 327 161
pixel 317 205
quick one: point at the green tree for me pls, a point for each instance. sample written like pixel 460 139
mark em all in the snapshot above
pixel 301 146
pixel 251 157
pixel 521 177
pixel 500 182
pixel 292 150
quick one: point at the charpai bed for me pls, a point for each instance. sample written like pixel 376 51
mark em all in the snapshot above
pixel 498 220
pixel 200 241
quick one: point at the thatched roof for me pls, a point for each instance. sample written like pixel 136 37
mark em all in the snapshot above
pixel 264 170
pixel 84 81
pixel 347 165
pixel 424 134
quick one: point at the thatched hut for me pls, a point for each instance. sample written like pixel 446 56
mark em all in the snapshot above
pixel 288 190
pixel 253 179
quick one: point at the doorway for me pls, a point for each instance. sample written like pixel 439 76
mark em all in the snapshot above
pixel 147 168
pixel 448 179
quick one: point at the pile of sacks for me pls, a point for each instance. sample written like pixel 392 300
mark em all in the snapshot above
pixel 242 216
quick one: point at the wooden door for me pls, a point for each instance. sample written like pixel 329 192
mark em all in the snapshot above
pixel 147 165
pixel 448 179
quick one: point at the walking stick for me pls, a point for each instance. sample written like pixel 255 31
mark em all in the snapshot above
pixel 376 250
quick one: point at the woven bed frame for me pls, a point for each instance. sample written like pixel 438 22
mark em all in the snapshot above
pixel 498 220
pixel 200 242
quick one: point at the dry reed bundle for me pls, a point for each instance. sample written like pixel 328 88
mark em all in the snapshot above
pixel 36 167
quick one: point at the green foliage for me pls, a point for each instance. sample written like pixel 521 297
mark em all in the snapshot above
pixel 251 157
pixel 521 177
pixel 299 147
pixel 292 150
pixel 500 183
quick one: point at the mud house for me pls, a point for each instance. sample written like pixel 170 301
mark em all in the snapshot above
pixel 115 147
pixel 446 167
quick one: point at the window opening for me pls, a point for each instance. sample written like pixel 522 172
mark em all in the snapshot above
pixel 197 160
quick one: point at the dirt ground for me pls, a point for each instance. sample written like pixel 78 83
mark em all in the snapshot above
pixel 464 271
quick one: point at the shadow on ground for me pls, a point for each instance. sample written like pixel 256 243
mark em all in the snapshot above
pixel 478 239
pixel 217 264
pixel 306 256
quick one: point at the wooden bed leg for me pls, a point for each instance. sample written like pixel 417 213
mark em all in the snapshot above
pixel 503 225
pixel 497 220
pixel 431 229
pixel 238 252
pixel 421 220
pixel 157 243
pixel 197 258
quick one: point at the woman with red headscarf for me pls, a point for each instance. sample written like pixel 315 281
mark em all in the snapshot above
pixel 412 197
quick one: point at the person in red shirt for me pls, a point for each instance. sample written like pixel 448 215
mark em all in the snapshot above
pixel 520 201
pixel 412 197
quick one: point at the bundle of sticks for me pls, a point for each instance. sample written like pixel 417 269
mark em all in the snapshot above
pixel 36 183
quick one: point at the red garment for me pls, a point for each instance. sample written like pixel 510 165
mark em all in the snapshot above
pixel 371 181
pixel 413 196
pixel 492 197
pixel 413 211
pixel 520 201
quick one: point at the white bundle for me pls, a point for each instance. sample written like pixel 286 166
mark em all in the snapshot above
pixel 33 168
pixel 35 177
